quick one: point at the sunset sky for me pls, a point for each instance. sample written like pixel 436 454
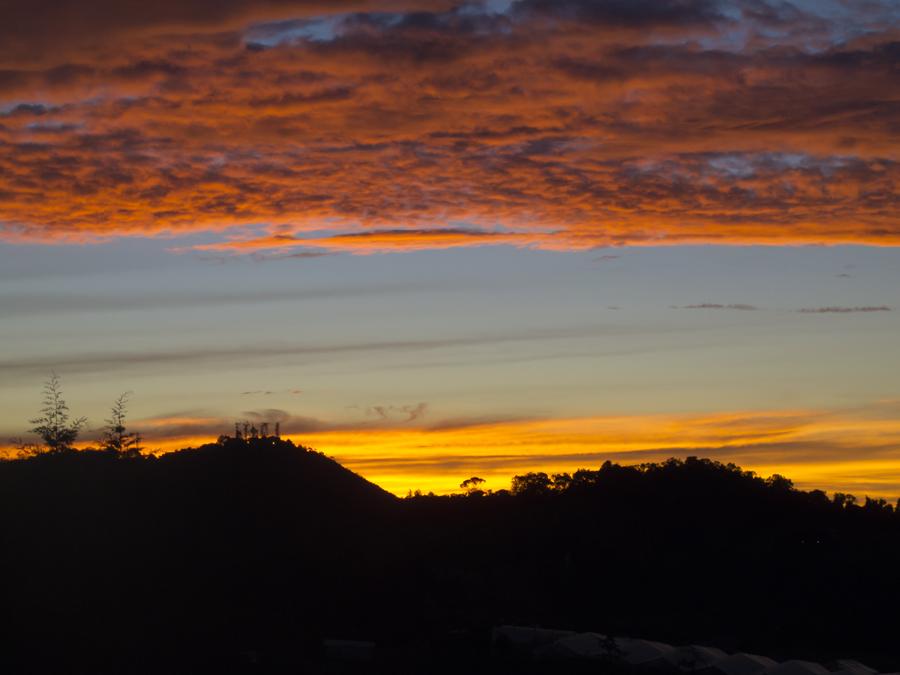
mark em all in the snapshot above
pixel 437 239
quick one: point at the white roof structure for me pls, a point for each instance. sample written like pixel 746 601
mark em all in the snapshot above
pixel 660 658
pixel 642 652
pixel 581 646
pixel 850 667
pixel 693 657
pixel 798 668
pixel 741 664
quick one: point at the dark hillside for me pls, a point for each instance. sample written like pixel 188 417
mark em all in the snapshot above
pixel 242 556
pixel 678 552
pixel 230 543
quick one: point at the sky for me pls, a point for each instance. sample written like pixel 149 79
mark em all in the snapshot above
pixel 442 239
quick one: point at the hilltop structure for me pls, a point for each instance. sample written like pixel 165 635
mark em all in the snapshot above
pixel 246 430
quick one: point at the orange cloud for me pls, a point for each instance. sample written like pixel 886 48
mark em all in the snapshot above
pixel 556 125
pixel 378 241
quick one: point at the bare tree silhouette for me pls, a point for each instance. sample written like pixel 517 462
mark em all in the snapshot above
pixel 116 437
pixel 56 429
pixel 472 485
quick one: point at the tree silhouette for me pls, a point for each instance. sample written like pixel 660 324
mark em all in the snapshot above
pixel 116 437
pixel 843 500
pixel 472 485
pixel 561 481
pixel 533 483
pixel 56 429
pixel 779 482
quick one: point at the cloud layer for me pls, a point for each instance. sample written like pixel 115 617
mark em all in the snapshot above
pixel 291 126
pixel 205 356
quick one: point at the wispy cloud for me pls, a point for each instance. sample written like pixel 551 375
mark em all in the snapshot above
pixel 267 392
pixel 405 413
pixel 711 305
pixel 23 303
pixel 845 310
pixel 832 309
pixel 199 356
pixel 376 241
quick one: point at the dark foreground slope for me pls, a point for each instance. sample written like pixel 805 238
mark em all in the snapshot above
pixel 243 557
pixel 195 556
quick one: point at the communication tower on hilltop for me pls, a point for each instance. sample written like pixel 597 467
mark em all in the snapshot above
pixel 245 431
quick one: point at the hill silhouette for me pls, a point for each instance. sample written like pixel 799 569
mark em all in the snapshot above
pixel 244 555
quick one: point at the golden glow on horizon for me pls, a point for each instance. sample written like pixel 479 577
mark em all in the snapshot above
pixel 854 451
pixel 812 448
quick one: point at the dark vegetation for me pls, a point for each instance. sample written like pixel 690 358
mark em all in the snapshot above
pixel 245 554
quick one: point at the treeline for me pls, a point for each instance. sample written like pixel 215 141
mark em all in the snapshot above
pixel 538 485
